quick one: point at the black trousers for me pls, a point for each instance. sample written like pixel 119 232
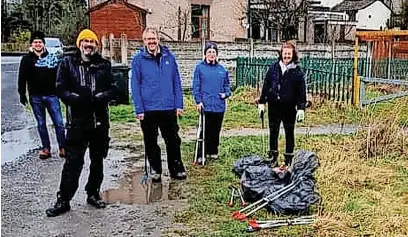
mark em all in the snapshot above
pixel 77 141
pixel 278 113
pixel 167 122
pixel 213 124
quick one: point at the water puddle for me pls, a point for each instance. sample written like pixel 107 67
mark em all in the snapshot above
pixel 17 143
pixel 132 192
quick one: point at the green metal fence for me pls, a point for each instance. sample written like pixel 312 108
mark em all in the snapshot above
pixel 329 78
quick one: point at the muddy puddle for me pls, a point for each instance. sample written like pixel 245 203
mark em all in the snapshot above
pixel 131 191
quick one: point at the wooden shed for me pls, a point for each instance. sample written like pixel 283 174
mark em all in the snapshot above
pixel 117 17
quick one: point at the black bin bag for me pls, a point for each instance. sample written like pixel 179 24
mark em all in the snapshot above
pixel 258 181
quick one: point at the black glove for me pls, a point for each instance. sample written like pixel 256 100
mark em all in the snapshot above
pixel 23 100
pixel 73 98
pixel 100 97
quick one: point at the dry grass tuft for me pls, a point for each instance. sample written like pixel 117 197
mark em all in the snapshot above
pixel 383 136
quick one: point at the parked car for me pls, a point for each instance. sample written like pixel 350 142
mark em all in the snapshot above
pixel 54 45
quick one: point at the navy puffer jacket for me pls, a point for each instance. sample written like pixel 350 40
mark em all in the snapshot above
pixel 288 89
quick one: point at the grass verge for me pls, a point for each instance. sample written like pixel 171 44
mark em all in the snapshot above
pixel 242 112
pixel 360 196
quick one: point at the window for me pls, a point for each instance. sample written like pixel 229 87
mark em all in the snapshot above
pixel 342 32
pixel 200 21
pixel 319 33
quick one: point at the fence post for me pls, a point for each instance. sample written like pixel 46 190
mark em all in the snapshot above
pixel 355 84
pixel 251 48
pixel 123 49
pixel 111 51
pixel 104 46
pixel 389 59
pixel 362 92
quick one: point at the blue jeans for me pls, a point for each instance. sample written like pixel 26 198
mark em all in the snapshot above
pixel 39 103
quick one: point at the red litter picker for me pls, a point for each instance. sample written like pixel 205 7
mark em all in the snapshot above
pixel 254 207
pixel 255 225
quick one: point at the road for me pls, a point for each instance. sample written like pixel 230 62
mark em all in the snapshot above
pixel 29 185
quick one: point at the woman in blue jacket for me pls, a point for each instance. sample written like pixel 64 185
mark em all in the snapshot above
pixel 211 87
pixel 284 90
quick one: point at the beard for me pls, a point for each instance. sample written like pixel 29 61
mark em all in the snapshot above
pixel 88 51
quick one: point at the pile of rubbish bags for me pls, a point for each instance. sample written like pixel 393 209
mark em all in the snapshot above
pixel 258 180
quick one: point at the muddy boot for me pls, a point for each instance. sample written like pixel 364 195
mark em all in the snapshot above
pixel 60 207
pixel 62 153
pixel 288 159
pixel 45 154
pixel 156 177
pixel 179 175
pixel 273 158
pixel 96 201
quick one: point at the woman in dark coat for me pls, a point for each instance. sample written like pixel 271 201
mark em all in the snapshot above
pixel 284 90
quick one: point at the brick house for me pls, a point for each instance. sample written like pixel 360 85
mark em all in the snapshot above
pixel 117 17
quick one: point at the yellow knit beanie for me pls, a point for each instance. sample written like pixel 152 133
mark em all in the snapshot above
pixel 87 34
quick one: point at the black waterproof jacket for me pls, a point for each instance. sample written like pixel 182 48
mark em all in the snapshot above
pixel 84 110
pixel 288 89
pixel 38 73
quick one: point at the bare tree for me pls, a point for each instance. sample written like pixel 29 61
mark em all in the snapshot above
pixel 281 16
pixel 177 20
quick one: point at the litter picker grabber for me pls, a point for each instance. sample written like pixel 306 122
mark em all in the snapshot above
pixel 261 116
pixel 236 192
pixel 143 180
pixel 200 140
pixel 240 215
pixel 255 225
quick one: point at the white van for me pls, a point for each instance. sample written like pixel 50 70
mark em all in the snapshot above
pixel 54 46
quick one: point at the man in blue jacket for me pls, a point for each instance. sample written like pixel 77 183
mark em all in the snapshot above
pixel 158 101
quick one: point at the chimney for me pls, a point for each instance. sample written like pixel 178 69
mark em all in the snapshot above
pixel 92 3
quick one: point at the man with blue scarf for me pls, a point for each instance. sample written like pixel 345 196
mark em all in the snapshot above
pixel 38 71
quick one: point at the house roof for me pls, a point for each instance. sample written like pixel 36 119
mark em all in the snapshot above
pixel 129 5
pixel 350 5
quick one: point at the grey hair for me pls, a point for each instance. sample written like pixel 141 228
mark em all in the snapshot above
pixel 153 30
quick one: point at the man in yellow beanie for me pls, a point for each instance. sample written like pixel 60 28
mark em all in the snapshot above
pixel 86 86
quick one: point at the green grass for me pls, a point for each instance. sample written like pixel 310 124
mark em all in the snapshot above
pixel 242 112
pixel 359 196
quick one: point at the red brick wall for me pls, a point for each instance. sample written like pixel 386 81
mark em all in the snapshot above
pixel 116 18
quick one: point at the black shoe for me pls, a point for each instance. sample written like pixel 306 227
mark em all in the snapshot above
pixel 200 161
pixel 96 201
pixel 288 159
pixel 179 175
pixel 156 177
pixel 59 208
pixel 273 159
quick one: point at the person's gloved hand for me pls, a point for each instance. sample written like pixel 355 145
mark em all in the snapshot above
pixel 23 100
pixel 261 110
pixel 73 98
pixel 200 106
pixel 99 97
pixel 140 116
pixel 300 115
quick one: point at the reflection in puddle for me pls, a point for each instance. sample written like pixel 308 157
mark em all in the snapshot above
pixel 132 192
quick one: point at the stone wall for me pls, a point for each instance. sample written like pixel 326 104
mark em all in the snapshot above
pixel 189 54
